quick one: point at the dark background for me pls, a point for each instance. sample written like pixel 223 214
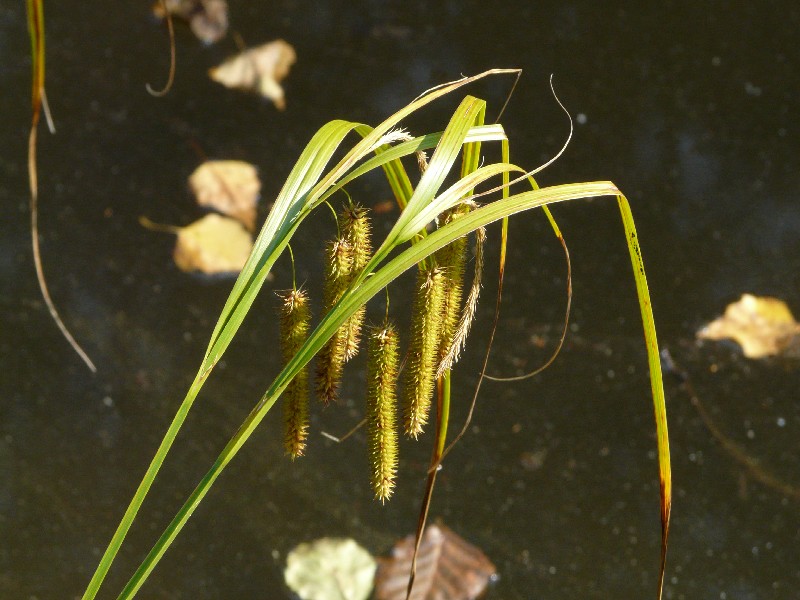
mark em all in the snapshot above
pixel 691 109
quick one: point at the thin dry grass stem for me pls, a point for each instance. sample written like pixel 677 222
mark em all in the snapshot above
pixel 39 104
pixel 470 307
pixel 542 167
pixel 295 316
pixel 171 77
pixel 564 329
pixel 426 325
pixel 381 409
pixel 339 440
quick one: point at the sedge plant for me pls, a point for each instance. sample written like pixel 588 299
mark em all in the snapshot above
pixel 461 208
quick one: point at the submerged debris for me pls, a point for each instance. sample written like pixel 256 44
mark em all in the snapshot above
pixel 448 568
pixel 762 326
pixel 208 19
pixel 259 69
pixel 231 187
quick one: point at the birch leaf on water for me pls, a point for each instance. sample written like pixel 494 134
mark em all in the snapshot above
pixel 448 568
pixel 231 187
pixel 762 326
pixel 260 69
pixel 208 19
pixel 212 245
pixel 330 569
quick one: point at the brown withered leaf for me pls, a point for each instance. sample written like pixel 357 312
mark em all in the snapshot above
pixel 259 69
pixel 212 245
pixel 208 19
pixel 231 187
pixel 448 568
pixel 762 326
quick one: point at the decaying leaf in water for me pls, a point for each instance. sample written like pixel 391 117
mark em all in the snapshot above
pixel 260 69
pixel 212 245
pixel 330 568
pixel 762 326
pixel 231 187
pixel 448 568
pixel 208 19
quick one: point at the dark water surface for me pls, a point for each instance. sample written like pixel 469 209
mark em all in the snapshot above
pixel 691 110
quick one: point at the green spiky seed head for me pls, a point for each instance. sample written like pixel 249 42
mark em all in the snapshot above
pixel 381 408
pixel 295 316
pixel 330 360
pixel 426 327
pixel 452 258
pixel 356 231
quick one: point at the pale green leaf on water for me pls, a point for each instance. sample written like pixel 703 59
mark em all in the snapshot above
pixel 330 569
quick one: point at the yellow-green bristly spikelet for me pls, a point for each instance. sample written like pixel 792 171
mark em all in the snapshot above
pixel 295 316
pixel 345 259
pixel 330 361
pixel 426 329
pixel 381 408
pixel 356 231
pixel 452 259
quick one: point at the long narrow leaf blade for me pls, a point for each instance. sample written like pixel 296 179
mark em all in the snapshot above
pixel 656 380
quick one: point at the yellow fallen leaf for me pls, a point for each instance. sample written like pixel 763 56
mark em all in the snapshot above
pixel 231 187
pixel 259 69
pixel 208 19
pixel 762 326
pixel 212 245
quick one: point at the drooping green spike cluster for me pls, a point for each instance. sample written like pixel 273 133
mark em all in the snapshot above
pixel 356 230
pixel 426 329
pixel 346 257
pixel 381 408
pixel 452 259
pixel 295 316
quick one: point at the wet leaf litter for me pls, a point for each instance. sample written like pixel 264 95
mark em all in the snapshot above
pixel 231 187
pixel 260 69
pixel 448 568
pixel 762 326
pixel 219 244
pixel 212 245
pixel 208 19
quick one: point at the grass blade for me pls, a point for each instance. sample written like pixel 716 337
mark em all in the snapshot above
pixel 656 379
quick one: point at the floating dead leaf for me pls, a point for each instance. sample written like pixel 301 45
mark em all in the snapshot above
pixel 231 187
pixel 448 568
pixel 212 245
pixel 208 19
pixel 330 568
pixel 259 69
pixel 762 326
